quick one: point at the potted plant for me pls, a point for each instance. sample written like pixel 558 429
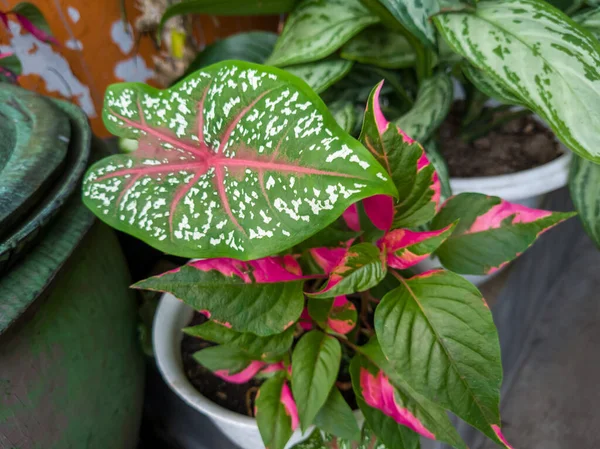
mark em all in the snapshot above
pixel 527 55
pixel 303 239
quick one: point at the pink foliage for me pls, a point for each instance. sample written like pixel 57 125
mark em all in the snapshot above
pixel 243 376
pixel 494 217
pixel 397 243
pixel 290 405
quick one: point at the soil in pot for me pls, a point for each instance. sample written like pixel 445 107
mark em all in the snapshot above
pixel 516 145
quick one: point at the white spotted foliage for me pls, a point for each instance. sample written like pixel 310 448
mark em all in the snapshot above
pixel 237 160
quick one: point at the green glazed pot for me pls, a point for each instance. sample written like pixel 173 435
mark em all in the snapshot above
pixel 71 371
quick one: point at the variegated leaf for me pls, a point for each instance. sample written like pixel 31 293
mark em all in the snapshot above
pixel 430 109
pixel 321 75
pixel 441 167
pixel 437 331
pixel 262 296
pixel 317 28
pixel 590 19
pixel 584 183
pixel 406 162
pixel 380 46
pixel 560 80
pixel 488 85
pixel 237 160
pixel 336 314
pixel 230 364
pixel 490 232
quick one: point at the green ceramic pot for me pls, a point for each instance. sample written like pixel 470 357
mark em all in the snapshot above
pixel 71 371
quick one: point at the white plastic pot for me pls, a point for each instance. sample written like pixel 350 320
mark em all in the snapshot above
pixel 171 316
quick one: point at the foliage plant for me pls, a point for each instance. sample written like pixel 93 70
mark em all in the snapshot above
pixel 304 240
pixel 529 55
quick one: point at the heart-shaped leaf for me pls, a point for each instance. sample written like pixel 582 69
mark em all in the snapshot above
pixel 276 412
pixel 237 160
pixel 261 296
pixel 317 28
pixel 497 37
pixel 584 184
pixel 405 248
pixel 436 330
pixel 381 47
pixel 321 75
pixel 337 314
pixel 355 269
pixel 315 365
pixel 590 20
pixel 336 417
pixel 406 162
pixel 490 233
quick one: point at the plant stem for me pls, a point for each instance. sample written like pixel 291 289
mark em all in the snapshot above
pixel 485 129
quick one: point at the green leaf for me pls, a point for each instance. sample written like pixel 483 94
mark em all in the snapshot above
pixel 263 296
pixel 490 233
pixel 336 417
pixel 238 160
pixel 32 20
pixel 568 6
pixel 317 28
pixel 217 358
pixel 430 109
pixel 590 20
pixel 226 8
pixel 323 440
pixel 432 150
pixel 315 365
pixel 499 37
pixel 488 85
pixel 381 47
pixel 344 114
pixel 359 269
pixel 255 346
pixel 584 184
pixel 253 46
pixel 274 412
pixel 321 75
pixel 11 63
pixel 438 332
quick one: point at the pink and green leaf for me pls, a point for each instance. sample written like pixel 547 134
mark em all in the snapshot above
pixel 229 363
pixel 336 314
pixel 276 412
pixel 407 164
pixel 10 66
pixel 405 248
pixel 351 270
pixel 237 160
pixel 490 233
pixel 261 296
pixel 32 20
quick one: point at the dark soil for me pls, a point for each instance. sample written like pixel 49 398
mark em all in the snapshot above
pixel 518 145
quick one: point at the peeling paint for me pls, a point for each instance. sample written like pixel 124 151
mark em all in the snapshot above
pixel 133 69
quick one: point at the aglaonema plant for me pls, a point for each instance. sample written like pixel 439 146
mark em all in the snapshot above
pixel 304 240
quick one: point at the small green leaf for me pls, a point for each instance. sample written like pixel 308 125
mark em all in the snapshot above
pixel 321 75
pixel 11 63
pixel 315 364
pixel 430 109
pixel 317 28
pixel 275 412
pixel 336 417
pixel 381 47
pixel 584 184
pixel 217 358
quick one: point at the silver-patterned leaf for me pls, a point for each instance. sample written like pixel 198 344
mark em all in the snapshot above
pixel 321 75
pixel 540 56
pixel 584 183
pixel 590 20
pixel 380 46
pixel 488 85
pixel 317 28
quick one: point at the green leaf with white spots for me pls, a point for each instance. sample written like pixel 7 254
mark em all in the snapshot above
pixel 381 47
pixel 590 20
pixel 317 28
pixel 430 109
pixel 344 114
pixel 321 75
pixel 584 184
pixel 488 85
pixel 539 55
pixel 237 160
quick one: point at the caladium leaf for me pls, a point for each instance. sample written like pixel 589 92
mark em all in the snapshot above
pixel 32 20
pixel 405 248
pixel 406 162
pixel 320 75
pixel 380 46
pixel 430 109
pixel 497 37
pixel 337 314
pixel 276 412
pixel 257 347
pixel 261 296
pixel 336 417
pixel 237 160
pixel 488 85
pixel 584 184
pixel 315 365
pixel 317 28
pixel 590 20
pixel 355 269
pixel 437 330
pixel 490 233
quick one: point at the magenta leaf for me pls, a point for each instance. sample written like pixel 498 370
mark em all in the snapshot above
pixel 405 248
pixel 498 432
pixel 276 412
pixel 405 160
pixel 237 160
pixel 336 314
pixel 33 21
pixel 490 233
pixel 262 296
